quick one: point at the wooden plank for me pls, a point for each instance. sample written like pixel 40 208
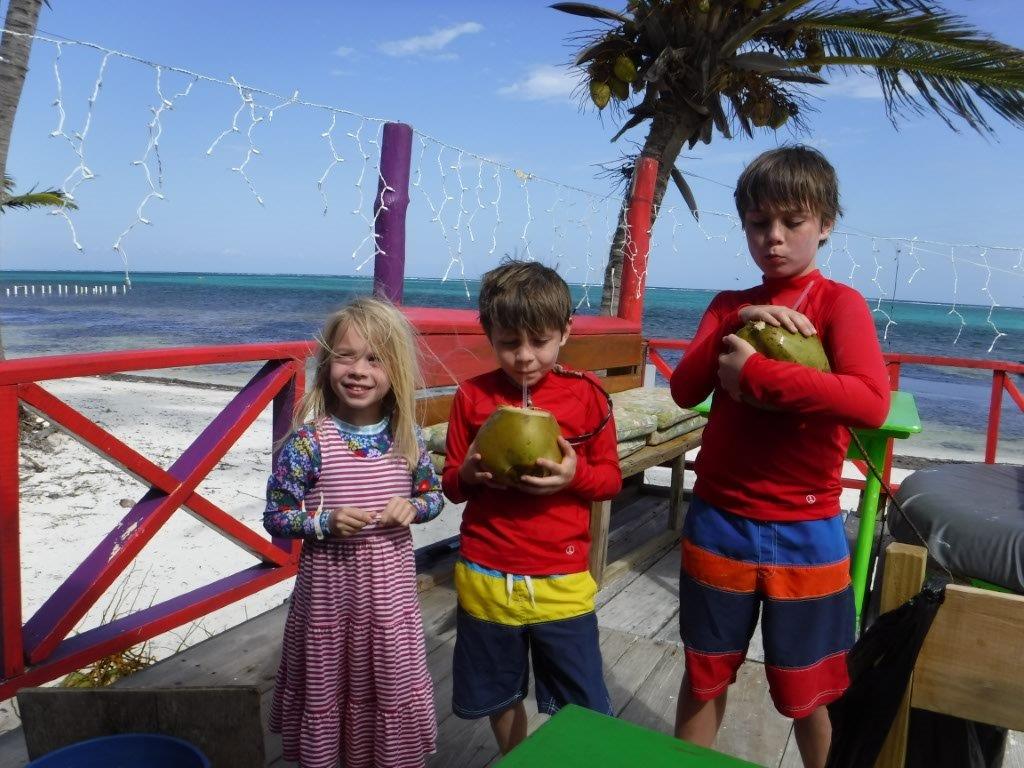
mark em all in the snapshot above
pixel 246 654
pixel 463 743
pixel 638 558
pixel 752 729
pixel 791 757
pixel 647 521
pixel 655 455
pixel 647 604
pixel 904 574
pixel 972 661
pixel 223 722
pixel 676 509
pixel 433 410
pixel 603 351
pixel 621 383
pixel 600 520
pixel 1014 755
pixel 654 705
pixel 439 664
pixel 13 753
pixel 629 672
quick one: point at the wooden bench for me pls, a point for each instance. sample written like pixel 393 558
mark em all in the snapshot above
pixel 453 347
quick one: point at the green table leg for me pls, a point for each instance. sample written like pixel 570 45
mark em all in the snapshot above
pixel 875 446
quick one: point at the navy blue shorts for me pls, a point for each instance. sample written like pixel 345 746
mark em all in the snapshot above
pixel 490 670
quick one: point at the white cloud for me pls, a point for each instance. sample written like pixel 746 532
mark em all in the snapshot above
pixel 344 52
pixel 432 43
pixel 542 83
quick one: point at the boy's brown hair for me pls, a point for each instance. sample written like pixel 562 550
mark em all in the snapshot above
pixel 524 296
pixel 789 178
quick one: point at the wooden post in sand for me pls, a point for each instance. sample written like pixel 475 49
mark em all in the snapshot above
pixel 389 211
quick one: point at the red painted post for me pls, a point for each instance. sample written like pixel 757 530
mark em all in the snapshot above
pixel 995 412
pixel 1014 393
pixel 389 211
pixel 638 240
pixel 13 656
pixel 894 384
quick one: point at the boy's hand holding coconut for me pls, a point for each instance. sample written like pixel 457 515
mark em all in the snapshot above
pixel 775 331
pixel 520 448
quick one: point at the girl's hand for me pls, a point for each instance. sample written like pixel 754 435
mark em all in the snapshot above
pixel 787 318
pixel 473 471
pixel 398 511
pixel 345 521
pixel 559 474
pixel 731 362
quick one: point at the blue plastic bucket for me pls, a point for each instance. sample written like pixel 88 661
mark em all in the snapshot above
pixel 130 750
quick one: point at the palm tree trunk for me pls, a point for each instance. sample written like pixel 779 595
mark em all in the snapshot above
pixel 22 16
pixel 669 131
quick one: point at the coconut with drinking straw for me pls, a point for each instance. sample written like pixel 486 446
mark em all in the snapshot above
pixel 513 438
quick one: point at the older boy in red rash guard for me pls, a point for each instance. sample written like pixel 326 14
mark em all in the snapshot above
pixel 523 585
pixel 764 529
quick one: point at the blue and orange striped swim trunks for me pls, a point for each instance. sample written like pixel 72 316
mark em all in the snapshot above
pixel 796 575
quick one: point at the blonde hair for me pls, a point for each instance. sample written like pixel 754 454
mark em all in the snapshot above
pixel 393 340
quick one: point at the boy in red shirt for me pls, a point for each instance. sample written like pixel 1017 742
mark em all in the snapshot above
pixel 764 529
pixel 522 579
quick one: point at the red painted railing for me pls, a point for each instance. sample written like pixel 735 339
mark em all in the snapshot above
pixel 41 650
pixel 1001 381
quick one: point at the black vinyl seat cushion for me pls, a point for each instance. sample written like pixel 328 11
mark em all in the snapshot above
pixel 971 517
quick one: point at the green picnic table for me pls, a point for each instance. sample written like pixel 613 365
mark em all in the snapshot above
pixel 580 738
pixel 902 422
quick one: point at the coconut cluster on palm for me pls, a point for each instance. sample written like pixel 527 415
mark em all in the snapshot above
pixel 694 68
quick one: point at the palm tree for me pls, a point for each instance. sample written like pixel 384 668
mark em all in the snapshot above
pixel 22 17
pixel 697 67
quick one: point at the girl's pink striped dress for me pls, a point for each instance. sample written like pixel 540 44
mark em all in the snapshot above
pixel 353 682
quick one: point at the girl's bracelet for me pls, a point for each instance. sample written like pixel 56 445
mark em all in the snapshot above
pixel 317 527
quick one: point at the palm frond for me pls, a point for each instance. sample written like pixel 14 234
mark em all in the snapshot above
pixel 49 198
pixel 879 30
pixel 754 27
pixel 590 11
pixel 52 198
pixel 925 59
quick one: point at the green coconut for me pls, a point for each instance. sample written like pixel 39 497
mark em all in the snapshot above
pixel 779 344
pixel 512 439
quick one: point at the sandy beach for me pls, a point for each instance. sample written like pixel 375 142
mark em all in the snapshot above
pixel 71 498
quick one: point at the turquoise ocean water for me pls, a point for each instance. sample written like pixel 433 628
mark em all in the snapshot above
pixel 185 309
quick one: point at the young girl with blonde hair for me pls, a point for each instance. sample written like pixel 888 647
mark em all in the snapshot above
pixel 353 682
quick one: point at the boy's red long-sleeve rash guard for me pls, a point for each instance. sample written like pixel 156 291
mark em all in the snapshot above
pixel 521 533
pixel 784 462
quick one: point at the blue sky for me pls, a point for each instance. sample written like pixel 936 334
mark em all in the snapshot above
pixel 489 78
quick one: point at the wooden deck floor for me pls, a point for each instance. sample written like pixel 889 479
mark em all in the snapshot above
pixel 639 643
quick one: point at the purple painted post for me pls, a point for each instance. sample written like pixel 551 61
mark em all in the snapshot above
pixel 389 211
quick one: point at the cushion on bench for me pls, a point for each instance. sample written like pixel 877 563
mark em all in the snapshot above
pixel 627 447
